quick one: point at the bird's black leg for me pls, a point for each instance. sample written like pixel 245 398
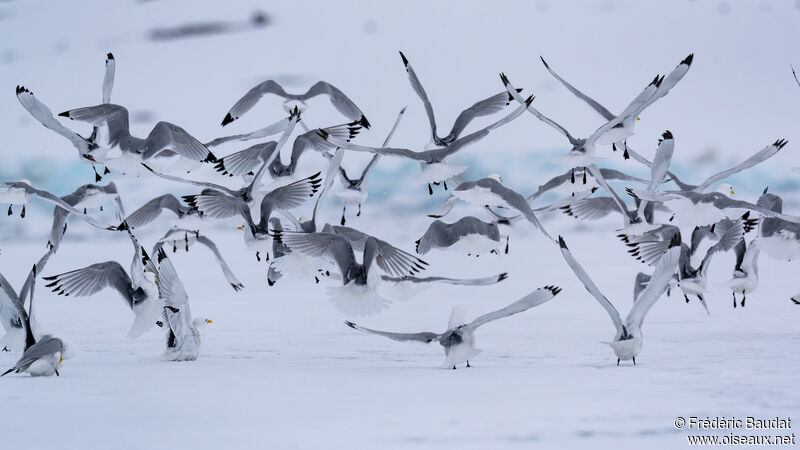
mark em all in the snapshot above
pixel 634 360
pixel 84 210
pixel 572 176
pixel 344 208
pixel 744 297
pixel 101 207
pixel 174 247
pixel 468 364
pixel 507 245
pixel 445 185
pixel 316 279
pixel 430 189
pixel 625 153
pixel 97 176
pixel 734 298
pixel 5 349
pixel 22 214
pixel 686 297
pixel 454 367
pixel 669 289
pixel 10 211
pixel 358 214
pixel 617 362
pixel 584 176
pixel 258 257
pixel 267 257
pixel 57 374
pixel 106 171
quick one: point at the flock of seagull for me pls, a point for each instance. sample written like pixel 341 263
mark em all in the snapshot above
pixel 652 215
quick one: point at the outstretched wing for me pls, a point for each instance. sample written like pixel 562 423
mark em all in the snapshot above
pixel 535 298
pixel 92 279
pixel 657 284
pixel 426 337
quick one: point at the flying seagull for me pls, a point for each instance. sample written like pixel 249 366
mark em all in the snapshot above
pixel 628 339
pixel 459 339
pixel 183 238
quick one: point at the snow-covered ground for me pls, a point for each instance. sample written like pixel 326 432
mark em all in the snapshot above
pixel 279 369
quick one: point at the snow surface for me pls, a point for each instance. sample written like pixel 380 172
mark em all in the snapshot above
pixel 279 369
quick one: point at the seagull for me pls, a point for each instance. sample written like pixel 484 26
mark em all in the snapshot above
pixel 714 233
pixel 745 274
pixel 153 208
pixel 358 295
pixel 628 339
pixel 184 335
pixel 340 101
pixel 86 196
pixel 459 339
pixel 433 167
pixel 693 281
pixel 20 193
pixel 245 162
pixel 468 235
pixel 186 238
pixel 608 115
pixel 569 178
pixel 355 189
pixel 42 358
pixel 137 288
pixel 778 238
pixel 88 150
pixel 482 108
pixel 490 191
pixel 707 208
pixel 165 139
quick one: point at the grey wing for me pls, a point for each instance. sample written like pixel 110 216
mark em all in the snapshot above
pixel 171 291
pixel 591 287
pixel 588 100
pixel 672 79
pixel 203 184
pixel 92 279
pixel 43 115
pixel 390 259
pixel 659 280
pixel 639 284
pixel 59 226
pixel 445 208
pixel 11 309
pixel 390 151
pixel 425 337
pixel 215 204
pixel 481 108
pixel 44 195
pixel 482 281
pixel 252 97
pixel 330 177
pixel 269 130
pixel 332 247
pixel 294 194
pixel 762 155
pixel 514 93
pixel 226 270
pixel 108 77
pixel 636 106
pixel 46 346
pixel 152 209
pixel 552 183
pixel 245 161
pixel 341 102
pixel 592 208
pixel 115 117
pixel 527 302
pixel 368 169
pixel 420 91
pixel 168 136
pixel 723 202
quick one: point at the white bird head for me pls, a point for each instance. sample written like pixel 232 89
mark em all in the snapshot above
pixel 725 188
pixel 458 317
pixel 201 322
pixel 497 177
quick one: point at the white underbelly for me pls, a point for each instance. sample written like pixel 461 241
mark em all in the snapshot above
pixel 437 172
pixel 14 196
pixel 352 197
pixel 475 244
pixel 576 159
pixel 45 366
pixel 480 196
pixel 627 349
pixel 699 214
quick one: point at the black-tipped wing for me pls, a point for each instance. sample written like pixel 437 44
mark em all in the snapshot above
pixel 425 337
pixel 92 279
pixel 527 302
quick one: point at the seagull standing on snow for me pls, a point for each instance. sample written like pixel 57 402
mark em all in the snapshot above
pixel 184 336
pixel 459 339
pixel 628 339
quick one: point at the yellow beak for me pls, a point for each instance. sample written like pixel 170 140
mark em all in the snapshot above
pixel 60 360
pixel 240 228
pixel 155 279
pixel 209 321
pixel 732 192
pixel 638 118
